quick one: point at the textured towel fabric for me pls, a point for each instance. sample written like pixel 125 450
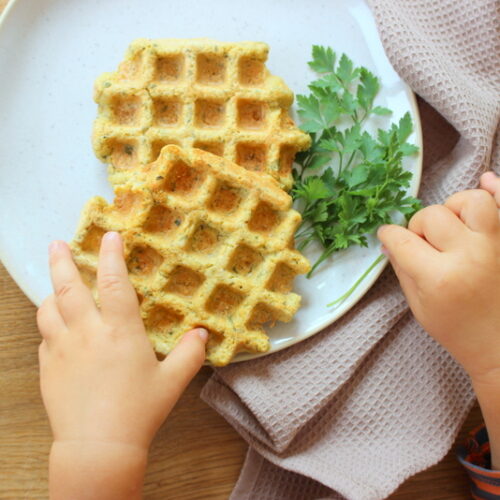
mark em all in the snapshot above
pixel 371 400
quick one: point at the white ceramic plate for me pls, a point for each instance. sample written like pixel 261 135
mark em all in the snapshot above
pixel 52 50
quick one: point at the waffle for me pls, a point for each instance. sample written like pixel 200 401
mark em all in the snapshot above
pixel 199 93
pixel 207 243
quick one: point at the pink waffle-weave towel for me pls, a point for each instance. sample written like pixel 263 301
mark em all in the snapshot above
pixel 355 410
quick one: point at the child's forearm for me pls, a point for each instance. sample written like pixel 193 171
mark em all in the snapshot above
pixel 488 395
pixel 96 470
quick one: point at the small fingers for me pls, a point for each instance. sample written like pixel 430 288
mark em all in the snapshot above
pixel 439 226
pixel 491 183
pixel 49 320
pixel 73 298
pixel 408 251
pixel 476 208
pixel 408 284
pixel 117 296
pixel 184 362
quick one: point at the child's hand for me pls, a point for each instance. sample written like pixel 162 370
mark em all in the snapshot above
pixel 105 392
pixel 448 264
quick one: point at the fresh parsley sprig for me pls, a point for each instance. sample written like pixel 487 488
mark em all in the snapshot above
pixel 349 182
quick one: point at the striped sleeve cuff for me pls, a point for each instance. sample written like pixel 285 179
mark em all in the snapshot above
pixel 475 457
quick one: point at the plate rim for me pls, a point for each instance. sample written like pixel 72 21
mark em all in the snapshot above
pixel 369 281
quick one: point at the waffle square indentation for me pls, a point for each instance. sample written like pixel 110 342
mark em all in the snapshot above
pixel 251 156
pixel 210 68
pixel 209 113
pixel 244 260
pixel 224 299
pixel 161 219
pixel 184 281
pixel 144 260
pixel 182 178
pixel 167 111
pixel 168 68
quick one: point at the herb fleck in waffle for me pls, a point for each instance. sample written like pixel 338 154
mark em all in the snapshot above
pixel 207 243
pixel 200 93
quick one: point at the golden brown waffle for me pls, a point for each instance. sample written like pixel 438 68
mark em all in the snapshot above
pixel 207 243
pixel 200 93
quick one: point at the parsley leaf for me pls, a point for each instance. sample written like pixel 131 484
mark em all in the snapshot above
pixel 367 89
pixel 323 59
pixel 345 70
pixel 364 183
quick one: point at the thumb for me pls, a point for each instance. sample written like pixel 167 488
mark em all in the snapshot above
pixel 408 252
pixel 184 362
pixel 407 283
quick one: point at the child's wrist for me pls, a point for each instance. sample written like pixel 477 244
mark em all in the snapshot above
pixel 96 469
pixel 487 389
pixel 486 385
pixel 485 379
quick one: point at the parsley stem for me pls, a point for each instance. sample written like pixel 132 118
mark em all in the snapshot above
pixel 358 281
pixel 329 251
pixel 303 233
pixel 350 159
pixel 340 203
pixel 340 164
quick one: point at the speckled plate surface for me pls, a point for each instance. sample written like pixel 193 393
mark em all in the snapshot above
pixel 52 50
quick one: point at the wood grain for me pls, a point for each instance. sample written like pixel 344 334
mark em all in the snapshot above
pixel 196 454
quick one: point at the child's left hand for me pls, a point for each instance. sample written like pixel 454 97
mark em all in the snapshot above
pixel 104 389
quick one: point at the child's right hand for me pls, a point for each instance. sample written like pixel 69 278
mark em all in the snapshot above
pixel 448 264
pixel 105 392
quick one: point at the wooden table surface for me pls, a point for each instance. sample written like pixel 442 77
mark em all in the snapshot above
pixel 196 454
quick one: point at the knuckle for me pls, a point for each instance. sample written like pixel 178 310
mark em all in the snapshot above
pixel 414 218
pixel 433 211
pixel 469 197
pixel 64 290
pixel 403 243
pixel 478 196
pixel 422 217
pixel 447 283
pixel 40 313
pixel 111 283
pixel 413 224
pixel 114 333
pixel 442 281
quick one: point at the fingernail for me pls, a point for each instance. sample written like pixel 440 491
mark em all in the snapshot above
pixel 54 247
pixel 381 228
pixel 490 175
pixel 112 236
pixel 202 333
pixel 384 250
